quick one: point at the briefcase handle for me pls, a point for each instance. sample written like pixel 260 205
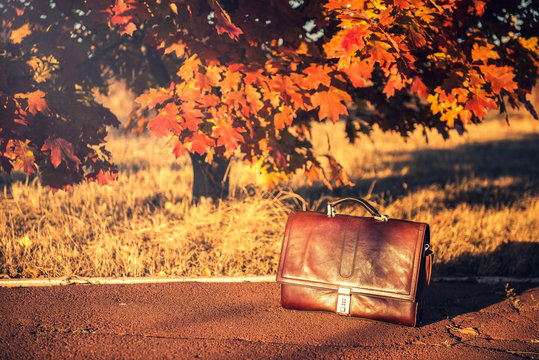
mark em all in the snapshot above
pixel 371 209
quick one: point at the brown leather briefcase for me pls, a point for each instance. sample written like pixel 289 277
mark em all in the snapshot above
pixel 371 267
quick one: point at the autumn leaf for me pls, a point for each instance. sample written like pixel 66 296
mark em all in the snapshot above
pixel 317 75
pixel 43 67
pixel 284 117
pixel 227 136
pixel 153 98
pixel 395 81
pixel 253 99
pixel 359 73
pixel 479 105
pixel 223 23
pixel 199 143
pixel 314 173
pixel 21 156
pixel 61 150
pixel 499 77
pixel 36 101
pixel 330 103
pixel 419 87
pixel 18 35
pixel 177 47
pixel 353 38
pixel 191 116
pixel 483 53
pixel 105 177
pixel 166 121
pixel 179 149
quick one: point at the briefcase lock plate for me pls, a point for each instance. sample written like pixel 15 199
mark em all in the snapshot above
pixel 343 301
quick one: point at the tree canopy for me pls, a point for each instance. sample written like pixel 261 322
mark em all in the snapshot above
pixel 248 78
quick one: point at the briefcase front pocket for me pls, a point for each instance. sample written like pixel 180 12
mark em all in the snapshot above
pixel 371 267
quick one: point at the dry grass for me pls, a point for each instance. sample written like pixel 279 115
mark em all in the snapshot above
pixel 479 192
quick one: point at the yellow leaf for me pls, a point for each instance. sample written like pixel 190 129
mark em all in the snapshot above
pixel 19 34
pixel 25 241
pixel 30 273
pixel 465 331
pixel 206 272
pixel 161 273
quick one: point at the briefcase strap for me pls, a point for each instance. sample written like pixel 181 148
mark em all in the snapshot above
pixel 371 209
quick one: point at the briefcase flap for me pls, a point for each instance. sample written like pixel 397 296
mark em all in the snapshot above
pixel 369 257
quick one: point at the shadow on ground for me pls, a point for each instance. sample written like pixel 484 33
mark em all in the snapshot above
pixel 488 161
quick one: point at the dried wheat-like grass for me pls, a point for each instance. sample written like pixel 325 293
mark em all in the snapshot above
pixel 478 192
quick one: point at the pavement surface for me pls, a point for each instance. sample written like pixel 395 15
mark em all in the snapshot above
pixel 245 321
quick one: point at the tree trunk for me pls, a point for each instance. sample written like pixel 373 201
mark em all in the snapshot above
pixel 209 179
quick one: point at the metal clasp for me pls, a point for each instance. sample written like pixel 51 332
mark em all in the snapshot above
pixel 381 218
pixel 343 301
pixel 331 211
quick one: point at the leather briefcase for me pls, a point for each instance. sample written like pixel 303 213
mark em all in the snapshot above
pixel 371 267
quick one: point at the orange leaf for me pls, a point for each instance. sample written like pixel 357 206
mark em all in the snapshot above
pixel 179 149
pixel 153 98
pixel 178 48
pixel 19 34
pixel 227 136
pixel 20 155
pixel 359 72
pixel 191 116
pixel 165 121
pixel 479 104
pixel 313 174
pixel 36 101
pixel 253 99
pixel 330 103
pixel 200 143
pixel 394 82
pixel 419 87
pixel 317 75
pixel 284 117
pixel 499 77
pixel 379 52
pixel 353 38
pixel 483 53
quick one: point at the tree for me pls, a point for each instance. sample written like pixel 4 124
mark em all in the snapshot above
pixel 248 78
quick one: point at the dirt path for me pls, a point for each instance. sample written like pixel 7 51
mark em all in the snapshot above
pixel 245 320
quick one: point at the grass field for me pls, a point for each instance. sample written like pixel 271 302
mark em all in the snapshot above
pixel 479 192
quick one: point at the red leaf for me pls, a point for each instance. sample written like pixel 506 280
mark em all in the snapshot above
pixel 61 150
pixel 192 116
pixel 179 149
pixel 352 39
pixel 479 104
pixel 227 136
pixel 419 87
pixel 165 121
pixel 200 143
pixel 223 24
pixel 105 177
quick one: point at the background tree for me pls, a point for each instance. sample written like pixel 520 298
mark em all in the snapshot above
pixel 248 78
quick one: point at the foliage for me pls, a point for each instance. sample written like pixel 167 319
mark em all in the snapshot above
pixel 249 77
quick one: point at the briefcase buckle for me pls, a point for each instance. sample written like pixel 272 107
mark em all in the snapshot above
pixel 343 301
